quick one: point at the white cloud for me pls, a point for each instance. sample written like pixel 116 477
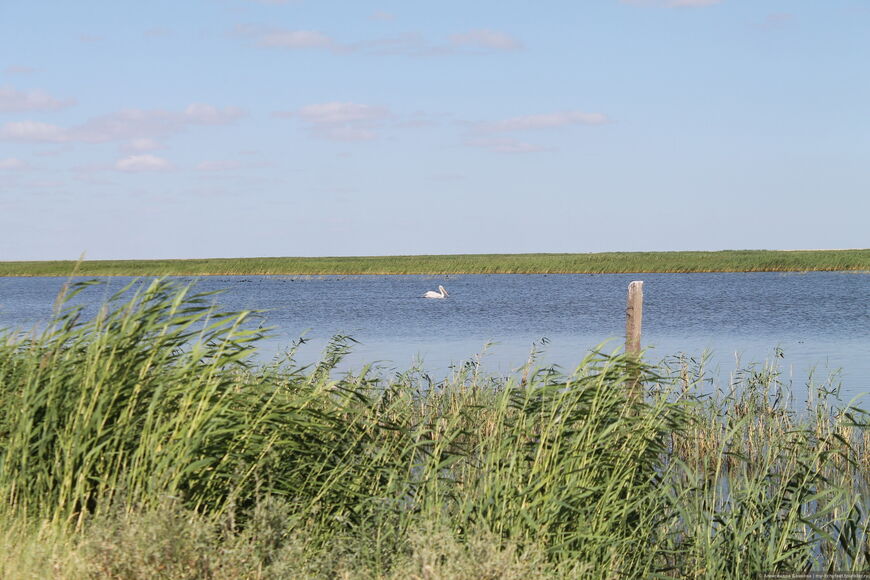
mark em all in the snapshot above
pixel 341 113
pixel 218 165
pixel 33 131
pixel 544 121
pixel 11 163
pixel 127 125
pixel 14 101
pixel 296 39
pixel 341 121
pixel 345 133
pixel 140 163
pixel 486 38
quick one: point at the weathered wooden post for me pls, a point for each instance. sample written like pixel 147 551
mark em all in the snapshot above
pixel 633 322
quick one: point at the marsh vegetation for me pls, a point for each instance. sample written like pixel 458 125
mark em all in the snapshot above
pixel 599 263
pixel 146 442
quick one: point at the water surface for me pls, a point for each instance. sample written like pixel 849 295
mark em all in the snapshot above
pixel 819 321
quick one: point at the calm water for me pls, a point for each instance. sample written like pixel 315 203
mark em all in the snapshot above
pixel 820 320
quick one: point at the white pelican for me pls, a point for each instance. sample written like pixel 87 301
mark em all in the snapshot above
pixel 442 293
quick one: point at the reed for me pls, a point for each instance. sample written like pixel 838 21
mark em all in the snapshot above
pixel 599 263
pixel 147 442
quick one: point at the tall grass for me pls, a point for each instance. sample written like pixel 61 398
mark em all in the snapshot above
pixel 599 263
pixel 147 443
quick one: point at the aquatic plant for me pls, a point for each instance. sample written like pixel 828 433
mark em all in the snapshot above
pixel 147 442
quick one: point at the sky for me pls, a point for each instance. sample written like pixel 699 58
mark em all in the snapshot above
pixel 243 128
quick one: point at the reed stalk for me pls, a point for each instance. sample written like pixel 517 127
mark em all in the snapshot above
pixel 149 442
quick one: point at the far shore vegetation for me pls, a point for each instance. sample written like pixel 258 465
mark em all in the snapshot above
pixel 597 263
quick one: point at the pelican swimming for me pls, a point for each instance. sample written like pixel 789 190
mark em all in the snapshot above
pixel 442 293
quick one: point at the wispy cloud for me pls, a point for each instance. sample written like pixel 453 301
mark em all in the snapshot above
pixel 341 113
pixel 32 131
pixel 471 42
pixel 142 163
pixel 54 151
pixel 689 3
pixel 18 70
pixel 488 134
pixel 223 165
pixel 15 101
pixel 484 38
pixel 12 163
pixel 420 119
pixel 296 39
pixel 204 114
pixel 672 3
pixel 157 33
pixel 346 133
pixel 338 121
pixel 543 121
pixel 777 20
pixel 383 16
pixel 142 144
pixel 476 41
pixel 94 173
pixel 128 125
pixel 503 145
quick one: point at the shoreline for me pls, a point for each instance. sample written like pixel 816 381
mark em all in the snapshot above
pixel 731 261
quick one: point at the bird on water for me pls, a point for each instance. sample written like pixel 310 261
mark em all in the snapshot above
pixel 442 293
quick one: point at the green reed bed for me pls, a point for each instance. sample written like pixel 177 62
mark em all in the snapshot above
pixel 146 442
pixel 600 263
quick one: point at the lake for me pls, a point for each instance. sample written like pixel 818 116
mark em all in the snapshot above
pixel 818 321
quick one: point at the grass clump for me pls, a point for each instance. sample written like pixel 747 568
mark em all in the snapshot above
pixel 147 443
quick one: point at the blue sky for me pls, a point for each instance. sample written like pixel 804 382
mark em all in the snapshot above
pixel 228 128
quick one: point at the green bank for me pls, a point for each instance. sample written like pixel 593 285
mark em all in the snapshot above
pixel 597 263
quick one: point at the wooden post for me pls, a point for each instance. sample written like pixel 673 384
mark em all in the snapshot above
pixel 633 322
pixel 633 318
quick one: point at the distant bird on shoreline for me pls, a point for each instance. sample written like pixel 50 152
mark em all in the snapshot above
pixel 442 293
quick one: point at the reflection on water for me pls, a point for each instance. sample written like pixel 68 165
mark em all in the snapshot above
pixel 819 320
